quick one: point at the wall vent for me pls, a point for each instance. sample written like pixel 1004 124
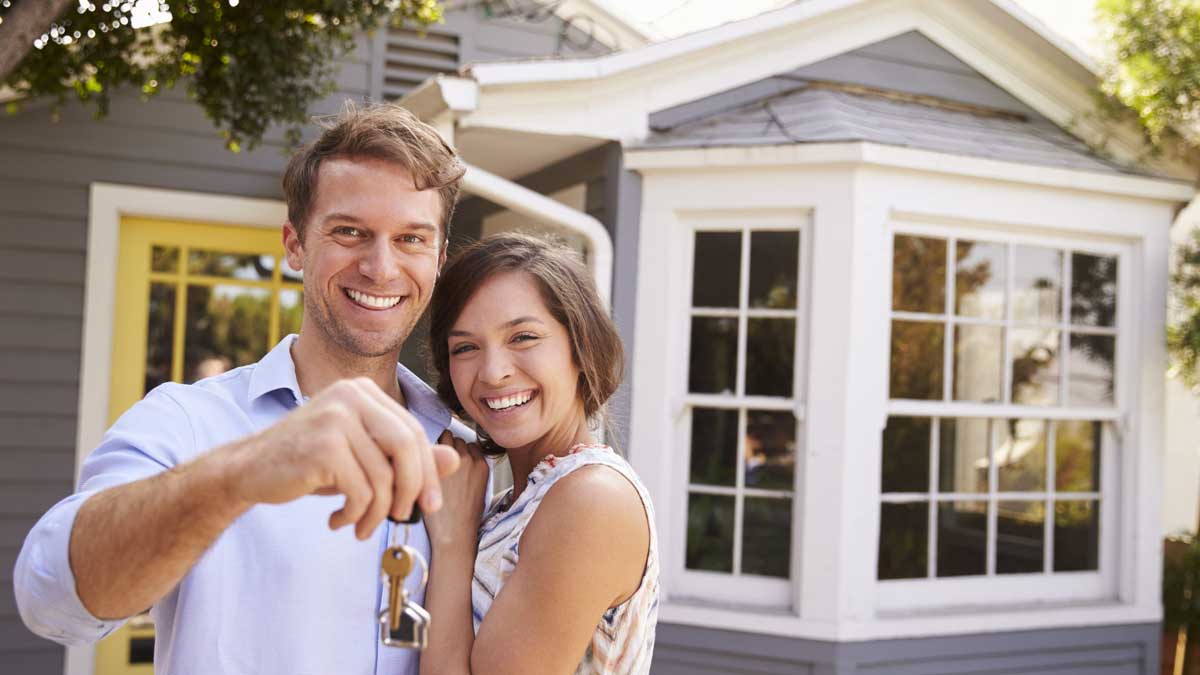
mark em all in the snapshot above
pixel 411 57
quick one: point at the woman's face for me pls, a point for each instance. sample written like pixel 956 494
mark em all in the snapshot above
pixel 511 365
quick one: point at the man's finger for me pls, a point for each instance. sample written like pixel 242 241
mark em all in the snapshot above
pixel 377 468
pixel 349 480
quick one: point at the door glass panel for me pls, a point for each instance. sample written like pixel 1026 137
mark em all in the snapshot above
pixel 226 327
pixel 291 311
pixel 160 335
pixel 248 267
pixel 164 259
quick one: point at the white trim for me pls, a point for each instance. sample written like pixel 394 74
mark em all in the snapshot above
pixel 108 204
pixel 873 154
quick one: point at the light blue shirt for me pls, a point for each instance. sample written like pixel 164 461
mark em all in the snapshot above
pixel 278 592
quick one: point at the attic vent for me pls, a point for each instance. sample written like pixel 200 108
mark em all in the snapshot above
pixel 410 58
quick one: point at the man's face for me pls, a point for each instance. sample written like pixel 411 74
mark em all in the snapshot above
pixel 371 253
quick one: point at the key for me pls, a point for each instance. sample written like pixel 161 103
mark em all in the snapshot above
pixel 412 628
pixel 397 565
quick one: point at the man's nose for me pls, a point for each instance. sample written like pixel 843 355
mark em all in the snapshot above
pixel 380 262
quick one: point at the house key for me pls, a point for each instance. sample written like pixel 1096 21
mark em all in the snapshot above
pixel 404 623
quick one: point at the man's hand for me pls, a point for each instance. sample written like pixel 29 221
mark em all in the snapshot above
pixel 351 439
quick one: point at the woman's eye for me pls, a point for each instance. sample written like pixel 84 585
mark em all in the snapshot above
pixel 461 349
pixel 524 337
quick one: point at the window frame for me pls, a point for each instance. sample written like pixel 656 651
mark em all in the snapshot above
pixel 697 587
pixel 900 596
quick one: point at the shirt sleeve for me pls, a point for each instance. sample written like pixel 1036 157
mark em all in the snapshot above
pixel 149 438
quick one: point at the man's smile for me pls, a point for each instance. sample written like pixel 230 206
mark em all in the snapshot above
pixel 376 302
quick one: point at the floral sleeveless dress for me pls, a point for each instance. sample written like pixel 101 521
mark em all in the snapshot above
pixel 624 638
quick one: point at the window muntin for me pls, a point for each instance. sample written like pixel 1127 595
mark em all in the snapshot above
pixel 742 426
pixel 1004 395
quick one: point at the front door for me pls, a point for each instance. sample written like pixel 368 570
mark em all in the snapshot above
pixel 192 300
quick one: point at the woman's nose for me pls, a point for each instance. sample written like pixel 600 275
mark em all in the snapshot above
pixel 496 367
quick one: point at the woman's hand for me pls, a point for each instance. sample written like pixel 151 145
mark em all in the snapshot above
pixel 456 524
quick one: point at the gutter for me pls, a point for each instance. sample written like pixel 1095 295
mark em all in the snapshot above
pixel 526 202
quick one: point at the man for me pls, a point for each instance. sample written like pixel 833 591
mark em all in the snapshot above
pixel 209 501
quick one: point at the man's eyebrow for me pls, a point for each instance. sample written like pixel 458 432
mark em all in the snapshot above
pixel 338 215
pixel 507 324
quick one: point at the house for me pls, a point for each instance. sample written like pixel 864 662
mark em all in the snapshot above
pixel 894 327
pixel 136 249
pixel 894 300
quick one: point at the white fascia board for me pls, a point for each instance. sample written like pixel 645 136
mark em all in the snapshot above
pixel 628 33
pixel 1049 35
pixel 613 64
pixel 872 154
pixel 442 93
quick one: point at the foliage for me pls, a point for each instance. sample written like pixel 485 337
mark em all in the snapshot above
pixel 247 64
pixel 1183 334
pixel 1154 65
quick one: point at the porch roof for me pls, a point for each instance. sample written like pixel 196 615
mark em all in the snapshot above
pixel 825 112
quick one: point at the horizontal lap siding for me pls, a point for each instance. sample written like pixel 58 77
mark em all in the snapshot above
pixel 1106 650
pixel 46 170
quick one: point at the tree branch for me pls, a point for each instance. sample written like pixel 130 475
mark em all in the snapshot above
pixel 24 23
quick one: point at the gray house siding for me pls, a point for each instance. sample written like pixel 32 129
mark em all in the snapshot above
pixel 1110 650
pixel 46 169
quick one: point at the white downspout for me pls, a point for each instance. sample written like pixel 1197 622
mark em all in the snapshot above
pixel 539 207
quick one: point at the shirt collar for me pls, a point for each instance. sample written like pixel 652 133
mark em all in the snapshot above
pixel 277 371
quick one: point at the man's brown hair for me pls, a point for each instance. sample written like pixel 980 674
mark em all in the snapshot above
pixel 378 131
pixel 570 296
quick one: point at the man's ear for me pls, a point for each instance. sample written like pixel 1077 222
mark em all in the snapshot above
pixel 293 247
pixel 442 258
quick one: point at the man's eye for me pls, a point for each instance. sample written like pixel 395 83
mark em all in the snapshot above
pixel 412 239
pixel 346 230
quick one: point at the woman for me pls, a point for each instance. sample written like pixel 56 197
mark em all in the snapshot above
pixel 562 575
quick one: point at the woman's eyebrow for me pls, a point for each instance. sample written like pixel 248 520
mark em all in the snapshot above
pixel 507 324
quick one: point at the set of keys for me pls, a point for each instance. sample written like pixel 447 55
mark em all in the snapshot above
pixel 403 623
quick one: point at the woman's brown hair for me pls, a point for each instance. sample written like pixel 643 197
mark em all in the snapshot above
pixel 570 296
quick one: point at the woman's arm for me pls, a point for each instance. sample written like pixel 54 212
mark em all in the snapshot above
pixel 584 551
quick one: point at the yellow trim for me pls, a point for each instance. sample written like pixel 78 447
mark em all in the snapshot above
pixel 137 238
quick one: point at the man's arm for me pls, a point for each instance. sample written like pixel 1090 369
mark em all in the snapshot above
pixel 130 544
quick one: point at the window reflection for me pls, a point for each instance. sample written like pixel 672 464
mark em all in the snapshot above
pixel 1077 456
pixel 1020 537
pixel 714 446
pixel 774 260
pixel 1035 366
pixel 979 279
pixel 1090 376
pixel 1037 284
pixel 291 311
pixel 919 274
pixel 160 335
pixel 1093 290
pixel 904 541
pixel 767 537
pixel 1021 456
pixel 963 455
pixel 247 267
pixel 770 450
pixel 712 367
pixel 710 533
pixel 978 363
pixel 715 270
pixel 1076 536
pixel 916 365
pixel 770 346
pixel 962 538
pixel 224 321
pixel 906 454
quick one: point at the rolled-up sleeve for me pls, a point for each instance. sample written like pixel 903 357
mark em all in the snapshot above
pixel 152 436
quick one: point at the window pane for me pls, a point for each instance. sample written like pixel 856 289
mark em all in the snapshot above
pixel 287 274
pixel 919 275
pixel 1021 456
pixel 962 539
pixel 291 311
pixel 770 450
pixel 164 259
pixel 906 454
pixel 1037 284
pixel 1077 456
pixel 979 279
pixel 160 334
pixel 770 344
pixel 904 541
pixel 715 269
pixel 1020 537
pixel 226 328
pixel 774 257
pixel 1093 290
pixel 710 533
pixel 963 455
pixel 767 537
pixel 978 363
pixel 712 367
pixel 1035 366
pixel 1076 536
pixel 714 446
pixel 252 267
pixel 916 369
pixel 1090 374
